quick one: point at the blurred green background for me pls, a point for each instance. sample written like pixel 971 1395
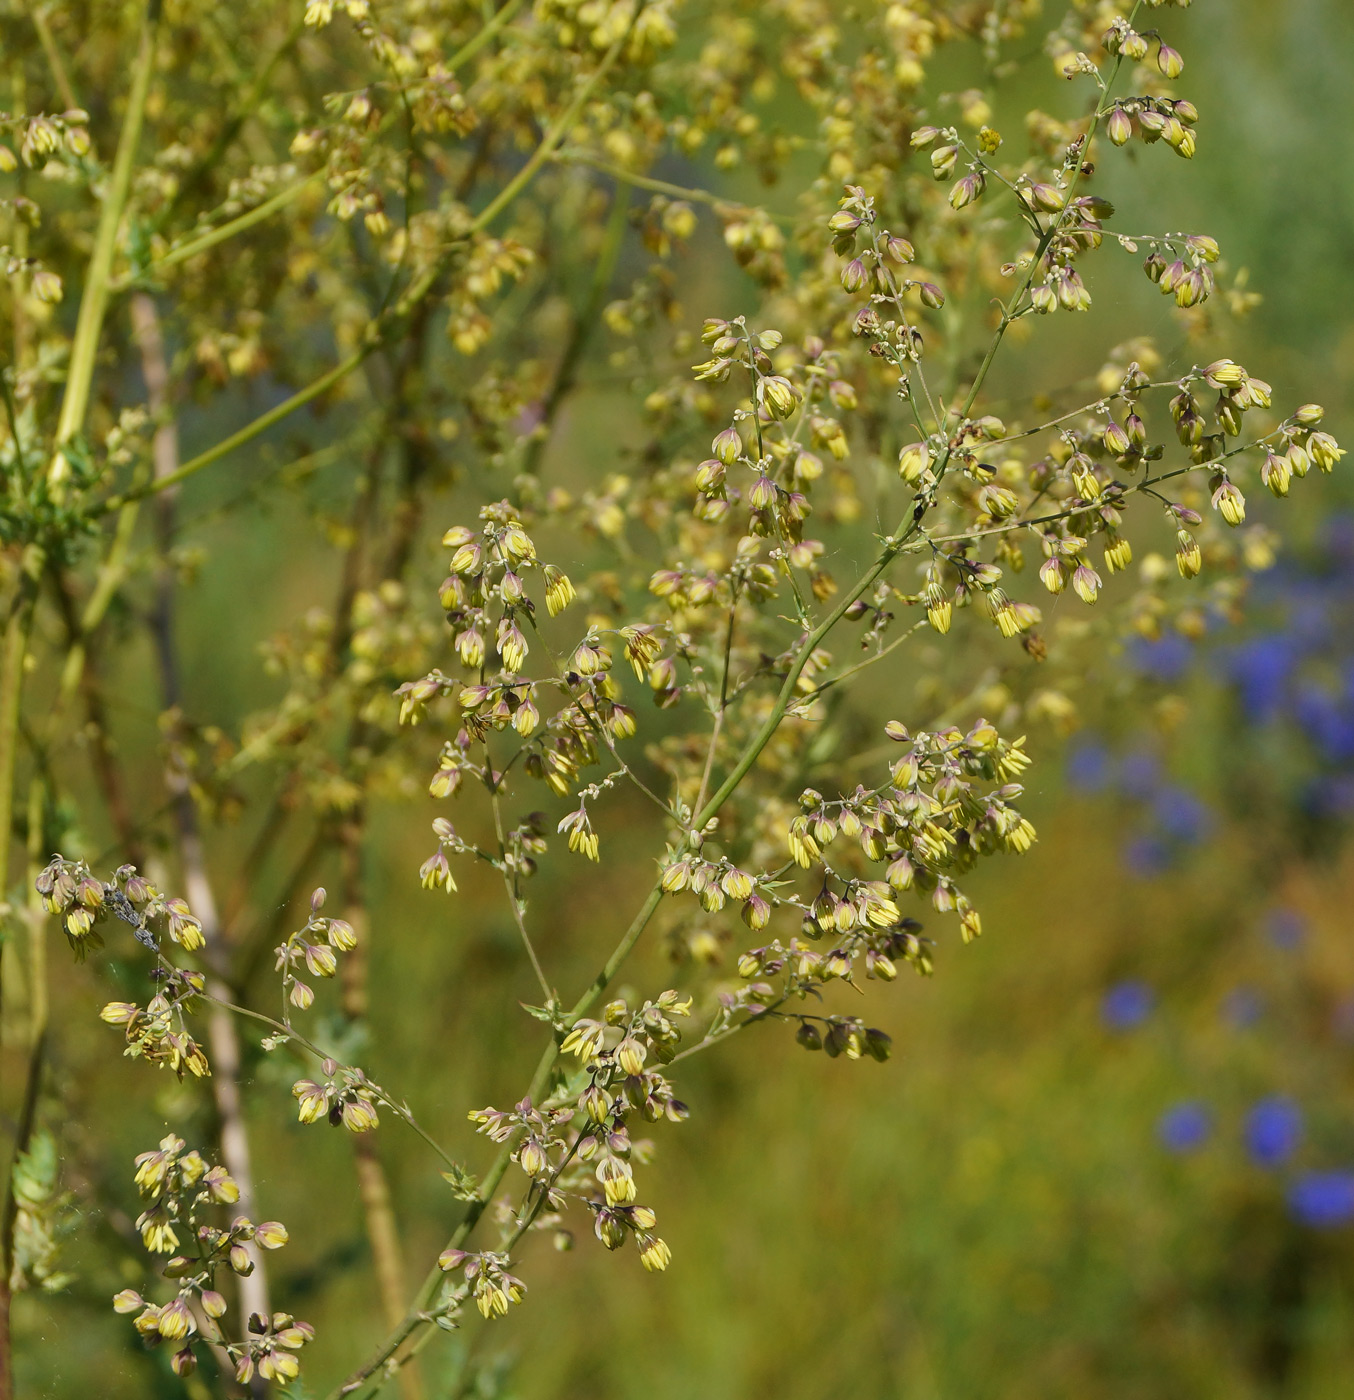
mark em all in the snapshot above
pixel 1105 1159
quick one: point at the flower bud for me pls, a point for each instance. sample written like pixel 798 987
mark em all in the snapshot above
pixel 1189 557
pixel 609 1229
pixel 1229 503
pixel 913 461
pixel 1324 450
pixel 655 1255
pixel 272 1234
pixel 777 395
pixel 943 160
pixel 855 276
pixel 1223 373
pixel 1086 583
pixel 630 1055
pixel 727 446
pixel 1276 473
pixel 967 189
pixel 175 1321
pixel 47 287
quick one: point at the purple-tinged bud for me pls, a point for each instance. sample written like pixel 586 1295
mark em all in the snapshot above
pixel 727 446
pixel 855 276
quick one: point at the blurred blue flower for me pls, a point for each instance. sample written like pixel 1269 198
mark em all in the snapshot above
pixel 1127 1005
pixel 1309 622
pixel 1261 670
pixel 1327 723
pixel 1181 816
pixel 1165 658
pixel 1272 1131
pixel 1286 928
pixel 1329 795
pixel 1089 766
pixel 1140 774
pixel 1185 1127
pixel 1323 1200
pixel 1147 855
pixel 1242 1007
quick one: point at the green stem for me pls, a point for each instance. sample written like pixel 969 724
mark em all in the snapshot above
pixel 248 433
pixel 468 50
pixel 111 576
pixel 12 666
pixel 53 54
pixel 94 299
pixel 194 246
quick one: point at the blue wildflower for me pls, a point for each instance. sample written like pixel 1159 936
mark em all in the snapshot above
pixel 1140 774
pixel 1165 658
pixel 1323 1200
pixel 1242 1007
pixel 1272 1131
pixel 1126 1005
pixel 1185 1127
pixel 1181 816
pixel 1088 766
pixel 1147 855
pixel 1286 928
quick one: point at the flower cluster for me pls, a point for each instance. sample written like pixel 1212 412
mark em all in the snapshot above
pixel 68 888
pixel 345 1096
pixel 315 948
pixel 179 1189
